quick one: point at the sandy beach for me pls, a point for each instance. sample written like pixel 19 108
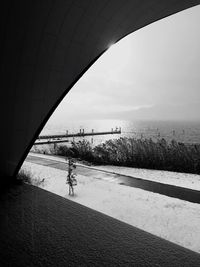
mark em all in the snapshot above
pixel 173 219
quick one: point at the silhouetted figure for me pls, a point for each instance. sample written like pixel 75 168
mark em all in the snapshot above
pixel 71 189
pixel 71 181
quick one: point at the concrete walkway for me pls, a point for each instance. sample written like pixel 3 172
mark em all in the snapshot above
pixel 156 187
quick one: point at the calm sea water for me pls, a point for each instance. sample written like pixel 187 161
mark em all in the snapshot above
pixel 183 131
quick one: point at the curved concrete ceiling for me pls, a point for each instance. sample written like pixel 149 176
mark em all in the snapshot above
pixel 46 46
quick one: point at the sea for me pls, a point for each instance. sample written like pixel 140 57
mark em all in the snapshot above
pixel 181 131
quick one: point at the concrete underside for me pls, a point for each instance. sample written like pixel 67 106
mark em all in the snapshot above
pixel 39 228
pixel 46 46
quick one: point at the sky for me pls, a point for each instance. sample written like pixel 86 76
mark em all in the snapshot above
pixel 152 74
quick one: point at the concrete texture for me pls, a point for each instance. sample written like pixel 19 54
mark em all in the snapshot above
pixel 46 46
pixel 39 228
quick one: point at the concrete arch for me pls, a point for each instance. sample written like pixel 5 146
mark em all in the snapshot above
pixel 47 46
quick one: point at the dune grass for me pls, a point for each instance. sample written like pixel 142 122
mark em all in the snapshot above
pixel 138 153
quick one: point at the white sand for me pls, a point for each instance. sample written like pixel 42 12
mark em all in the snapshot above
pixel 173 219
pixel 187 180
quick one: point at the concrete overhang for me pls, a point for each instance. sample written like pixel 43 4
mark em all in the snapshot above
pixel 39 228
pixel 46 47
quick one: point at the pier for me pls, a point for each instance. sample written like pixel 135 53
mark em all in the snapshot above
pixel 63 138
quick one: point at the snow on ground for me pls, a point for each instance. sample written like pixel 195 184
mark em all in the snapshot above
pixel 187 180
pixel 172 219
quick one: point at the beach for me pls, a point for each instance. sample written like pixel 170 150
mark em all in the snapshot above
pixel 170 218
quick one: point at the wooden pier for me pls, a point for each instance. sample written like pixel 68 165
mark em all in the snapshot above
pixel 63 138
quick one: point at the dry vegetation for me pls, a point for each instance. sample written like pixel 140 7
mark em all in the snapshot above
pixel 28 178
pixel 138 153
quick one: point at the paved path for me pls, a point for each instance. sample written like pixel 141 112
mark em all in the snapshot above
pixel 156 187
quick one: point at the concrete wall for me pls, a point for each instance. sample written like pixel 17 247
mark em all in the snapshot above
pixel 39 228
pixel 46 45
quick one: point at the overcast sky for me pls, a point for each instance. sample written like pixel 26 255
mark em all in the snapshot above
pixel 154 73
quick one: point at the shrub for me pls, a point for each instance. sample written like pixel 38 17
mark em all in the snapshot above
pixel 27 177
pixel 138 153
pixel 24 176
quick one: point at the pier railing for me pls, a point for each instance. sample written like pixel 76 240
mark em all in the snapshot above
pixel 60 138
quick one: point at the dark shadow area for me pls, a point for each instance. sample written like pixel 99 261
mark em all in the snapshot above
pixel 39 228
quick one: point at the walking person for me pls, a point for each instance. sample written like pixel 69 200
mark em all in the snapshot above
pixel 71 181
pixel 71 188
